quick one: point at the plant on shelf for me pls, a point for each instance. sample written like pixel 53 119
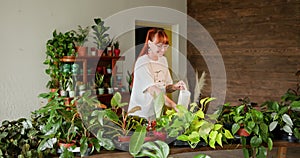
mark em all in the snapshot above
pixel 64 83
pixel 60 45
pixel 99 82
pixel 100 36
pixel 250 123
pixel 81 38
pixel 116 48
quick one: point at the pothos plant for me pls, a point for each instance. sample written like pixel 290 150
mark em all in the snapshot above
pixel 256 125
pixel 192 125
pixel 286 113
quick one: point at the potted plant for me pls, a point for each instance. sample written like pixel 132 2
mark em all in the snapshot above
pixel 60 124
pixel 53 62
pixel 62 45
pixel 284 115
pixel 19 138
pixel 116 48
pixel 256 126
pixel 81 38
pixel 64 83
pixel 99 82
pixel 100 36
pixel 194 125
pixel 108 69
pixel 71 88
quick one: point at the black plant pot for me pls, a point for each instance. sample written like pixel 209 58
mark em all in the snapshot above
pixel 179 143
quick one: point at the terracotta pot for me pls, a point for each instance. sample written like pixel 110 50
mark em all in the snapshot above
pixel 68 59
pixel 100 52
pixel 53 90
pixel 66 145
pixel 81 50
pixel 243 132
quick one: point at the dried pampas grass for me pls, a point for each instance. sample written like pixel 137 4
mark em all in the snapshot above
pixel 199 84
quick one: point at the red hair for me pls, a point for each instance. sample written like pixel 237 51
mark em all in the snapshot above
pixel 159 34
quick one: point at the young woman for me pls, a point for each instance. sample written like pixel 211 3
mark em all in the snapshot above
pixel 152 76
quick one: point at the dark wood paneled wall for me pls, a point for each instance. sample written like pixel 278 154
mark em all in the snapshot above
pixel 259 41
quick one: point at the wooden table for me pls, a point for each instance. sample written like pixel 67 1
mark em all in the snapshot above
pixel 281 153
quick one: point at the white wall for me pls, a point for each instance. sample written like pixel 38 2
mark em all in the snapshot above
pixel 25 27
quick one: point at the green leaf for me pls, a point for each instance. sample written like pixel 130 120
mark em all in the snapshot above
pixel 111 115
pixel 212 138
pixel 262 152
pixel 246 153
pixel 183 137
pixel 235 127
pixel 194 137
pixel 296 133
pixel 238 118
pixel 273 125
pixel 264 128
pixel 136 140
pixel 227 134
pixel 295 105
pixel 287 119
pixel 200 114
pixel 164 148
pixel 47 144
pixel 251 124
pixel 159 102
pixel 116 99
pixel 287 129
pixel 270 144
pixel 83 145
pixel 239 109
pixel 255 141
pixel 275 106
pixel 219 139
pixel 217 127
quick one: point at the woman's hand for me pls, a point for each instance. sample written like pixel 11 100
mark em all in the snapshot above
pixel 180 85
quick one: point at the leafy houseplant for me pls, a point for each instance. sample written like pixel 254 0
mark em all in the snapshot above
pixel 99 82
pixel 194 125
pixel 81 38
pixel 116 48
pixel 61 44
pixel 19 138
pixel 285 114
pixel 256 125
pixel 62 124
pixel 116 120
pixel 100 36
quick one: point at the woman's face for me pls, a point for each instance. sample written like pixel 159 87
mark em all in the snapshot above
pixel 158 48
